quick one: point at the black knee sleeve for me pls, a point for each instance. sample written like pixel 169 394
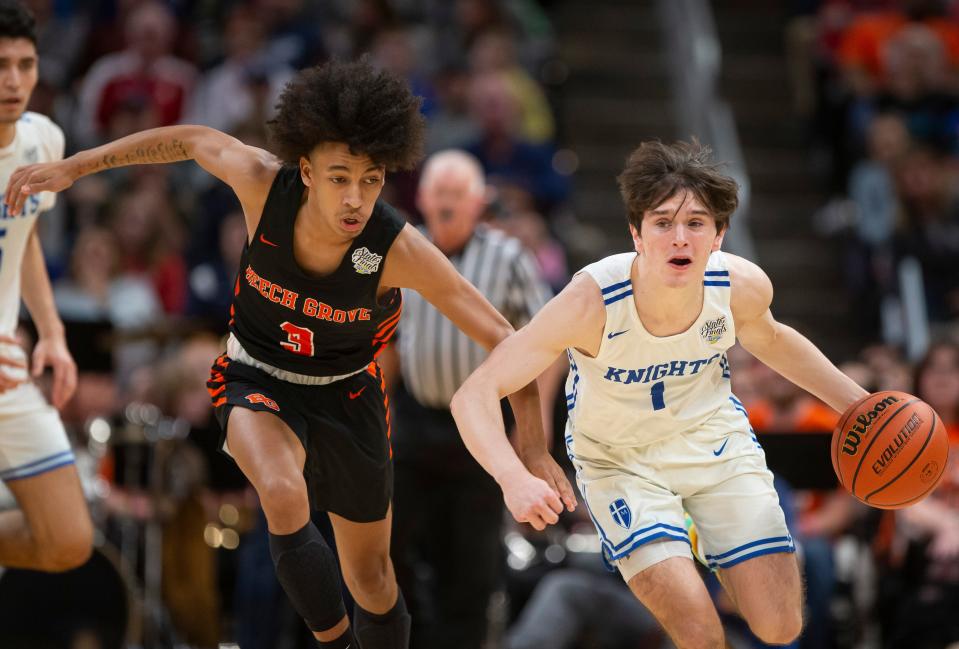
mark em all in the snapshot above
pixel 391 630
pixel 307 569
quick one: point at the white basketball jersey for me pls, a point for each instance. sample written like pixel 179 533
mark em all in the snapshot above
pixel 642 388
pixel 37 140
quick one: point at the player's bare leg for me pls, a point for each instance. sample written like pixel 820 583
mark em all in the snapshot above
pixel 272 458
pixel 381 620
pixel 51 530
pixel 767 590
pixel 675 594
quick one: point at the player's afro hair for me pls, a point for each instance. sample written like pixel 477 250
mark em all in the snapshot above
pixel 371 111
pixel 16 21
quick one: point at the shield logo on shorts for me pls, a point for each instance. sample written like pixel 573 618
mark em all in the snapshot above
pixel 622 516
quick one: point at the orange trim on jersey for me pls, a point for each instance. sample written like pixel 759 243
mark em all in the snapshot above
pixel 371 369
pixel 389 321
pixel 386 405
pixel 219 402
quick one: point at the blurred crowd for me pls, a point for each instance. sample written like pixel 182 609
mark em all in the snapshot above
pixel 144 259
pixel 878 84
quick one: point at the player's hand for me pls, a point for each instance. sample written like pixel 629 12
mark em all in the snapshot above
pixel 542 465
pixel 40 177
pixel 8 379
pixel 53 352
pixel 530 500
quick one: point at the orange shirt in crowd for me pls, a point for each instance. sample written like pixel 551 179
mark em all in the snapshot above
pixel 861 45
pixel 807 416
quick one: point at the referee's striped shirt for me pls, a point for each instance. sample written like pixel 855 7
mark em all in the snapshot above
pixel 435 356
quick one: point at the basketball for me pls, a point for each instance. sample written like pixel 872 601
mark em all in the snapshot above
pixel 889 449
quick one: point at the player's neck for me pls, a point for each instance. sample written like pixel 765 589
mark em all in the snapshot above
pixel 665 310
pixel 8 131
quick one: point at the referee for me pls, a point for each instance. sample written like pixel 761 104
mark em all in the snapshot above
pixel 447 511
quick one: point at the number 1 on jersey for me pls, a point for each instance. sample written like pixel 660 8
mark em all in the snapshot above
pixel 657 392
pixel 299 339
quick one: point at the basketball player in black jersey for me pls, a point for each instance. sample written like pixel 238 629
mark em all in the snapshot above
pixel 298 392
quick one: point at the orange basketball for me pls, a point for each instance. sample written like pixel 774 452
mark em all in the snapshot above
pixel 889 449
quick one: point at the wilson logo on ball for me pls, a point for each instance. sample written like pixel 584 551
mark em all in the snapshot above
pixel 860 428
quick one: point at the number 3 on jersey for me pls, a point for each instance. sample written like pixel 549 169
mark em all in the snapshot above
pixel 299 340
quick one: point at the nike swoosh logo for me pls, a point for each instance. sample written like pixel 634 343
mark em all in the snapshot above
pixel 269 243
pixel 354 395
pixel 722 448
pixel 613 334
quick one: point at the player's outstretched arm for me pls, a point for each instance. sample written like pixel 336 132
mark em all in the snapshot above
pixel 248 170
pixel 574 318
pixel 413 262
pixel 779 346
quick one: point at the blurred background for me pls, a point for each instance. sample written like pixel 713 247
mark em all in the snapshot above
pixel 838 118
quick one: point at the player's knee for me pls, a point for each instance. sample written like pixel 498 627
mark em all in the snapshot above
pixel 778 629
pixel 283 498
pixel 372 577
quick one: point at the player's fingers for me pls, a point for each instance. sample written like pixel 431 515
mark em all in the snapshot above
pixel 13 186
pixel 553 501
pixel 39 362
pixel 537 523
pixel 567 494
pixel 12 362
pixel 64 382
pixel 10 340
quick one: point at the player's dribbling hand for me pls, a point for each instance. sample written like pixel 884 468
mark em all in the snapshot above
pixel 543 466
pixel 40 177
pixel 13 371
pixel 530 500
pixel 54 352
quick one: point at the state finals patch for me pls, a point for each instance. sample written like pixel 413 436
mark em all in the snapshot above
pixel 713 330
pixel 366 262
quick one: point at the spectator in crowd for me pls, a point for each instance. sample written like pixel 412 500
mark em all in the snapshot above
pixel 211 282
pixel 494 50
pixel 919 591
pixel 145 74
pixel 869 263
pixel 149 237
pixel 505 155
pixel 450 123
pixel 929 229
pixel 245 87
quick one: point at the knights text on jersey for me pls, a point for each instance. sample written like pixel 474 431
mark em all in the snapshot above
pixel 37 139
pixel 642 388
pixel 318 326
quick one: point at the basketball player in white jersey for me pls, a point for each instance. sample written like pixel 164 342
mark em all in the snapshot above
pixel 653 426
pixel 51 530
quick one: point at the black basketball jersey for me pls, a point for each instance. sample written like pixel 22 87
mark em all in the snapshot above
pixel 319 326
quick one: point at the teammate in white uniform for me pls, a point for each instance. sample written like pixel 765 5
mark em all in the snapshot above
pixel 653 427
pixel 52 528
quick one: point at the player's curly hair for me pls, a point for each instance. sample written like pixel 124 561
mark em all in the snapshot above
pixel 655 172
pixel 16 21
pixel 370 110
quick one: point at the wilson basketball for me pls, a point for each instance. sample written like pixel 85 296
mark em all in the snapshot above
pixel 889 449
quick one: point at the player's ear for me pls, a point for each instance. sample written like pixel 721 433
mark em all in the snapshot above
pixel 718 241
pixel 306 171
pixel 637 240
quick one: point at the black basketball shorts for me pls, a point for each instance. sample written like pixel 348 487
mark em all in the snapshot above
pixel 344 427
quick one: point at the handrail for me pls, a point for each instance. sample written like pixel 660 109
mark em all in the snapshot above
pixel 695 57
